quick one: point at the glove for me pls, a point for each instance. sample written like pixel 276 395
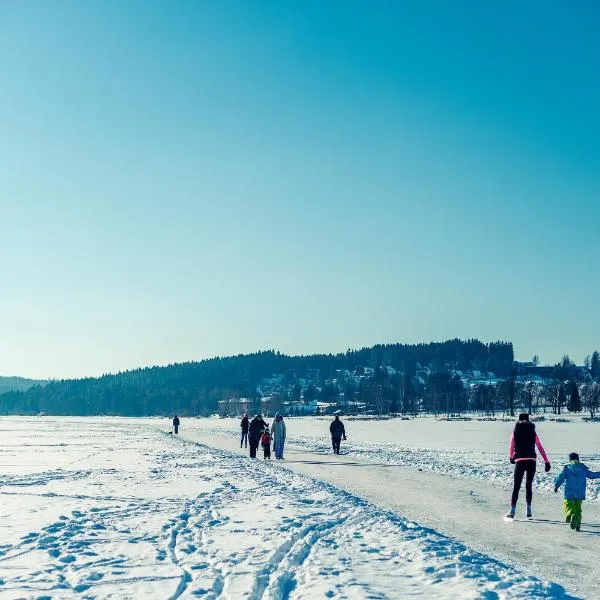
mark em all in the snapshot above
pixel 345 438
pixel 555 490
pixel 547 467
pixel 513 461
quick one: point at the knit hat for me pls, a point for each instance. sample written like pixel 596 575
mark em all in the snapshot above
pixel 524 417
pixel 573 456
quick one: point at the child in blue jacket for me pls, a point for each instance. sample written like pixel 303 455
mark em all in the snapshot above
pixel 574 475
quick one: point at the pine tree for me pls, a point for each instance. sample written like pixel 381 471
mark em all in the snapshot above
pixel 574 399
pixel 595 365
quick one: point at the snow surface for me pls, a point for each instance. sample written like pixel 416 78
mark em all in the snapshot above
pixel 116 508
pixel 471 449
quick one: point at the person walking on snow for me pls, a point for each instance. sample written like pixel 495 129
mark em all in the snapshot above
pixel 338 432
pixel 265 442
pixel 278 430
pixel 255 431
pixel 574 476
pixel 523 443
pixel 176 424
pixel 244 425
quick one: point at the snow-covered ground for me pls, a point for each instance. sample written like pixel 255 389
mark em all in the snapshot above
pixel 473 449
pixel 98 508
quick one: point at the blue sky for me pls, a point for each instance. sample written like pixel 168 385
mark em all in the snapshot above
pixel 190 179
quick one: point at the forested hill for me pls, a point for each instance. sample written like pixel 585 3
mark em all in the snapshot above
pixel 17 384
pixel 195 388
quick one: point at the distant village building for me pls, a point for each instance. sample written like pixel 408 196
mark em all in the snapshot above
pixel 233 407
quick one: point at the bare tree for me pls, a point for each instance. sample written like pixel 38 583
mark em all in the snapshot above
pixel 590 396
pixel 561 398
pixel 529 395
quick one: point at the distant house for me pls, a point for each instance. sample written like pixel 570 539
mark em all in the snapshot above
pixel 475 378
pixel 233 407
pixel 296 409
pixel 530 369
pixel 327 408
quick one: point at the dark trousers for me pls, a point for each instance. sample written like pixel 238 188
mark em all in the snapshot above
pixel 244 438
pixel 253 448
pixel 335 442
pixel 523 467
pixel 267 450
pixel 176 427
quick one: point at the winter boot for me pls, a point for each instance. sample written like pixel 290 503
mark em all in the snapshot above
pixel 511 513
pixel 529 513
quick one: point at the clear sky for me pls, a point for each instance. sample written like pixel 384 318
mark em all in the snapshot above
pixel 186 179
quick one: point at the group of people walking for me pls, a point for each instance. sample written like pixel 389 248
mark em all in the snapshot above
pixel 256 433
pixel 523 443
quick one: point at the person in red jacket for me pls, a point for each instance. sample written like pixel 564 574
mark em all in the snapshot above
pixel 521 453
pixel 265 442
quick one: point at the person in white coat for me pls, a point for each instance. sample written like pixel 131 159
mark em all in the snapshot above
pixel 278 432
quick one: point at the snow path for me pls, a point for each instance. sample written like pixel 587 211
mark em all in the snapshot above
pixel 149 515
pixel 472 449
pixel 466 510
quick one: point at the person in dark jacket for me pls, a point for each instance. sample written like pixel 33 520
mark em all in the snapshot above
pixel 255 431
pixel 338 432
pixel 523 443
pixel 176 424
pixel 244 425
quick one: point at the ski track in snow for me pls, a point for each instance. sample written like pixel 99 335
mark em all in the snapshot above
pixel 172 519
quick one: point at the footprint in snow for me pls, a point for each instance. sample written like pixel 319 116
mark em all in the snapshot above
pixel 69 558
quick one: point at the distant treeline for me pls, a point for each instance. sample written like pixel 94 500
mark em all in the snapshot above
pixel 195 388
pixel 17 384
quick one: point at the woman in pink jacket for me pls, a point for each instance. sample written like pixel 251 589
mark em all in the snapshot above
pixel 523 443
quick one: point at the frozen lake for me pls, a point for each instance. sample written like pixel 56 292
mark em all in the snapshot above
pixel 116 508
